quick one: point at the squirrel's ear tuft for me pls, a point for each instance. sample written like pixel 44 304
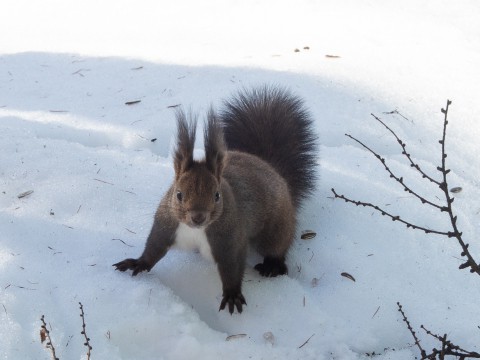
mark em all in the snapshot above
pixel 183 153
pixel 214 144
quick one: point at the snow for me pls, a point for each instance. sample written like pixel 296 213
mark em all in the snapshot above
pixel 67 68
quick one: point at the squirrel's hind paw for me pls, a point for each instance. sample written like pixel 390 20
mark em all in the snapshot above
pixel 272 267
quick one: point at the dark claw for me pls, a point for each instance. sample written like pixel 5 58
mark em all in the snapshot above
pixel 234 300
pixel 272 267
pixel 136 265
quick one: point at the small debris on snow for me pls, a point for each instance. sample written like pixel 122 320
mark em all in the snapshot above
pixel 234 337
pixel 308 234
pixel 80 71
pixel 123 242
pixel 306 342
pixel 269 338
pixel 25 194
pixel 348 276
pixel 133 102
pixel 103 181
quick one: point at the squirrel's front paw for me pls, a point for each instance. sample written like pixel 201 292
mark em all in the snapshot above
pixel 234 299
pixel 137 265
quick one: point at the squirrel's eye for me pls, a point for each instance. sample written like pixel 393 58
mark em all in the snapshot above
pixel 179 196
pixel 217 196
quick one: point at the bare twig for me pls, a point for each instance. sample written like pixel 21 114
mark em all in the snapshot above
pixel 385 213
pixel 470 263
pixel 443 185
pixel 404 147
pixel 448 348
pixel 398 179
pixel 84 333
pixel 45 335
pixel 414 335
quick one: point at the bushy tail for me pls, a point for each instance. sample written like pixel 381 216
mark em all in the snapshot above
pixel 273 124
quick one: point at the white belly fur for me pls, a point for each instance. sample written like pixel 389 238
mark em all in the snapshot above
pixel 188 238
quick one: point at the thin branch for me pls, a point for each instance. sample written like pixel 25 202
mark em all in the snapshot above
pixel 398 179
pixel 84 333
pixel 417 342
pixel 470 263
pixel 45 335
pixel 393 217
pixel 404 152
pixel 448 348
pixel 443 185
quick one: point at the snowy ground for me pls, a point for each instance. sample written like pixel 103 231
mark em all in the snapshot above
pixel 68 68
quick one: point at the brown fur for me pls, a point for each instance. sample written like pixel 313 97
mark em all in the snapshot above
pixel 236 197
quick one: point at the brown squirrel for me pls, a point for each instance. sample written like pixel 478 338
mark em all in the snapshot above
pixel 260 159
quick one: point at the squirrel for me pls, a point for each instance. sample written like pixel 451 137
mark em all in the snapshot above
pixel 260 164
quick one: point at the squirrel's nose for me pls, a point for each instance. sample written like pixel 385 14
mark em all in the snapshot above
pixel 198 218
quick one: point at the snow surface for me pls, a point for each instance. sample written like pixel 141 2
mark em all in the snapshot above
pixel 67 68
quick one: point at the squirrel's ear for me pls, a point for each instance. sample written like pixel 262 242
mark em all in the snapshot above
pixel 183 153
pixel 214 145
